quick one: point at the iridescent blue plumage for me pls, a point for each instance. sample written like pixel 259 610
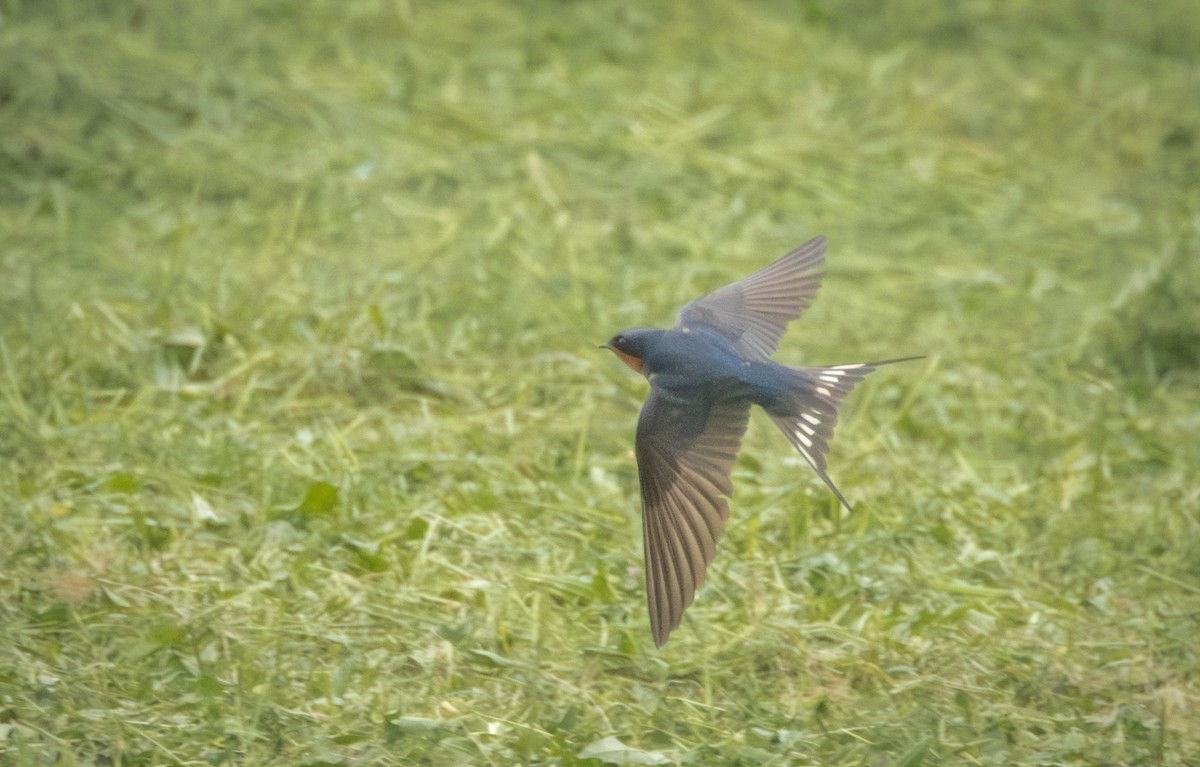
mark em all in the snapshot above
pixel 704 376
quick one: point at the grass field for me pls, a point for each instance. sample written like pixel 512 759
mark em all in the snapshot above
pixel 308 455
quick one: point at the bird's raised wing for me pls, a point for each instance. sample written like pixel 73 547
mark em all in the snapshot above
pixel 754 312
pixel 685 453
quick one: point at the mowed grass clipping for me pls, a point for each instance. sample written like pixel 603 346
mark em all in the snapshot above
pixel 309 458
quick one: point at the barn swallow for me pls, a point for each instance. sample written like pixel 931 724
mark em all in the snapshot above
pixel 704 375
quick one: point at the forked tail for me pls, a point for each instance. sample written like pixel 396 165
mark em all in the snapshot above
pixel 813 410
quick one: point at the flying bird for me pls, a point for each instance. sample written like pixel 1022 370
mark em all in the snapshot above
pixel 704 375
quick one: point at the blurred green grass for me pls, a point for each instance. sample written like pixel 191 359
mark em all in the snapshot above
pixel 309 457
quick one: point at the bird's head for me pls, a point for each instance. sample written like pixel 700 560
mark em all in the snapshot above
pixel 630 346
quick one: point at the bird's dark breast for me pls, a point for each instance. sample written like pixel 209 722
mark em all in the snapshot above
pixel 693 373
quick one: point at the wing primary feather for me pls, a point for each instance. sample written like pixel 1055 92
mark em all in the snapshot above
pixel 684 478
pixel 754 312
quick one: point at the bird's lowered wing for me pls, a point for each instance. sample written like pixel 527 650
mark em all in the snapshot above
pixel 754 312
pixel 685 453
